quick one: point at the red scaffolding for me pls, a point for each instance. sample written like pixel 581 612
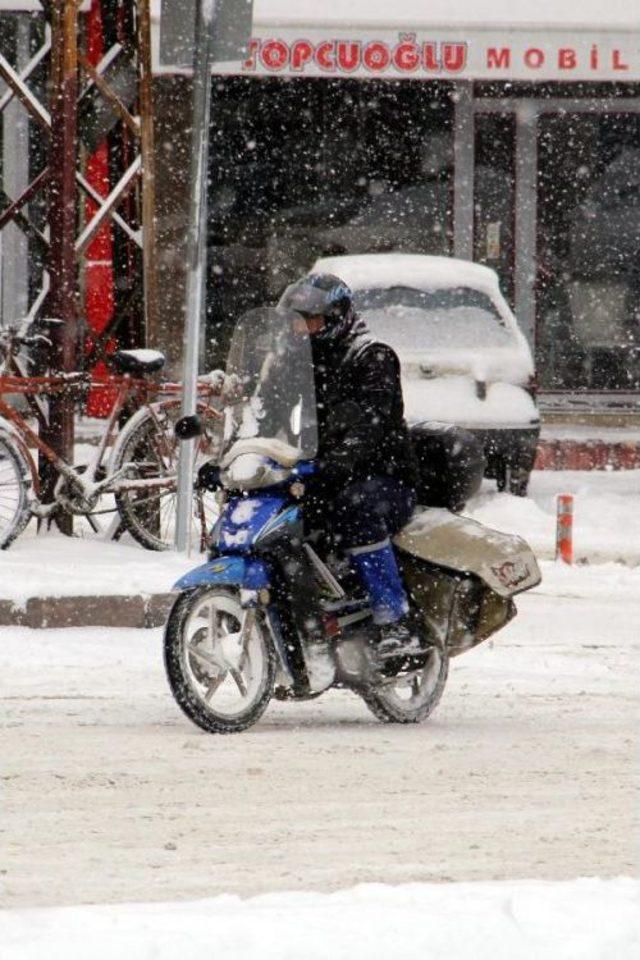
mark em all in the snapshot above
pixel 94 193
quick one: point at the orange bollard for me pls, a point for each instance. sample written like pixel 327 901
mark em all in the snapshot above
pixel 564 528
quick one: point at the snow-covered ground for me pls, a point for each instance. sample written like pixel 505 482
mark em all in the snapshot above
pixel 320 832
pixel 606 514
pixel 580 920
pixel 52 565
pixel 527 771
pixel 607 529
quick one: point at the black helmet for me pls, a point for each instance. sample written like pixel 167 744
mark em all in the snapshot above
pixel 321 294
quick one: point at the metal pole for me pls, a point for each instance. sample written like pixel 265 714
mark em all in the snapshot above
pixel 463 171
pixel 526 217
pixel 15 160
pixel 62 219
pixel 205 12
pixel 149 252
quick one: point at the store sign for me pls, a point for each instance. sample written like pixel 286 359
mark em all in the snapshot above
pixel 407 55
pixel 31 6
pixel 476 55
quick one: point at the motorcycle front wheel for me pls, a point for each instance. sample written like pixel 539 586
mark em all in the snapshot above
pixel 219 659
pixel 412 695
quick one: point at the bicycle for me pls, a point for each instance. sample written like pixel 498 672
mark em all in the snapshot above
pixel 141 469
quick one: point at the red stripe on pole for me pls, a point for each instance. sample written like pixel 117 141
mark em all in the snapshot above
pixel 564 528
pixel 98 274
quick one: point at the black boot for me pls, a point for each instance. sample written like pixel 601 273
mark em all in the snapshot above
pixel 398 639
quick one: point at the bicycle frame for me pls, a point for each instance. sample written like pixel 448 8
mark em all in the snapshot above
pixel 85 489
pixel 140 475
pixel 27 437
pixel 13 365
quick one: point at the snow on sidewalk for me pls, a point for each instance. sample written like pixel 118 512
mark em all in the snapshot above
pixel 607 529
pixel 606 513
pixel 586 919
pixel 52 565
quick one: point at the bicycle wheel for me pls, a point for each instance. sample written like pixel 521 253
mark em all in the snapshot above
pixel 149 448
pixel 14 490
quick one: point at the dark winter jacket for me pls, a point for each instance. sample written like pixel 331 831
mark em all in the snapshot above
pixel 361 426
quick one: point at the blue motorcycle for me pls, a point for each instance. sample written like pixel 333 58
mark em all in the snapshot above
pixel 243 630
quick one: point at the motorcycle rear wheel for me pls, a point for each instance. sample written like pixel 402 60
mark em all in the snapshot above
pixel 219 660
pixel 415 693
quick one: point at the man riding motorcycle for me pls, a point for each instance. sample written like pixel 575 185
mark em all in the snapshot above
pixel 365 487
pixel 275 610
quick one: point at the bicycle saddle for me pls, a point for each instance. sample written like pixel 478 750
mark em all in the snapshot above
pixel 137 361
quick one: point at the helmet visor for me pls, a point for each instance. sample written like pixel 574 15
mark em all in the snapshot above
pixel 307 300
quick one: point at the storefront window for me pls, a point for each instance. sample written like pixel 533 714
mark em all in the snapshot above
pixel 588 331
pixel 301 168
pixel 494 196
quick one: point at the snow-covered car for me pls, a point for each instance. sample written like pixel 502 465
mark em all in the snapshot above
pixel 464 360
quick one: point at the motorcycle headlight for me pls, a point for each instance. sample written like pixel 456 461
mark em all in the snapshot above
pixel 252 472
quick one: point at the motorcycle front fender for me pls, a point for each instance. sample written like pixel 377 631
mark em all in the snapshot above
pixel 247 573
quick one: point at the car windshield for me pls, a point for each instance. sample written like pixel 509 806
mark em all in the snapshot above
pixel 269 389
pixel 413 320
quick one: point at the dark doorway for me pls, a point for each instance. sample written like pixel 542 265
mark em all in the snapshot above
pixel 494 196
pixel 588 309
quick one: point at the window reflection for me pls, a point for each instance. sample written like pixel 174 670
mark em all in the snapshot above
pixel 305 168
pixel 589 252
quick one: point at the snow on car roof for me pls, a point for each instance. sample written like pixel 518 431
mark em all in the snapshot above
pixel 419 271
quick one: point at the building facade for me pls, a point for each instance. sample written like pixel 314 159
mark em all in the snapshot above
pixel 507 136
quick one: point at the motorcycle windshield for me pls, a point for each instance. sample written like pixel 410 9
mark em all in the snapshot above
pixel 269 389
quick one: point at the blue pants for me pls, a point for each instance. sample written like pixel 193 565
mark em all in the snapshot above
pixel 365 514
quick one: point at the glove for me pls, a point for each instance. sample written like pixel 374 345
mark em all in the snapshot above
pixel 214 379
pixel 208 476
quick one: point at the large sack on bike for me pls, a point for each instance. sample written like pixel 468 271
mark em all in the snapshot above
pixel 452 563
pixel 451 461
